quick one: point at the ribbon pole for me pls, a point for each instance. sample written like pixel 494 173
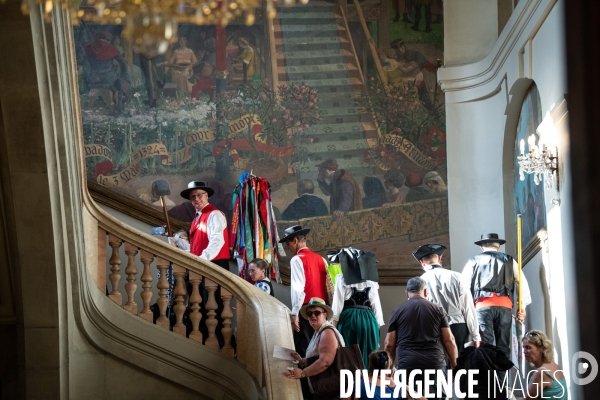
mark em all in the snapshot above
pixel 519 262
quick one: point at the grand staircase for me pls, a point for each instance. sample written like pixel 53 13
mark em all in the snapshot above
pixel 313 45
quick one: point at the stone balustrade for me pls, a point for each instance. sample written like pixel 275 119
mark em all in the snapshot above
pixel 182 302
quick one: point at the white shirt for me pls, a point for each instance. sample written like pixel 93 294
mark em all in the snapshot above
pixel 298 282
pixel 215 225
pixel 467 276
pixel 343 292
pixel 445 287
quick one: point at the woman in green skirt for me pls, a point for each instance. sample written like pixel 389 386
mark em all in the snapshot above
pixel 357 314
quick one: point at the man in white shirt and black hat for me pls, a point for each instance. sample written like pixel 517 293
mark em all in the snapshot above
pixel 444 287
pixel 208 231
pixel 308 280
pixel 209 240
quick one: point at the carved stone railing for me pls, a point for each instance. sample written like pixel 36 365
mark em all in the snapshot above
pixel 262 321
pixel 179 292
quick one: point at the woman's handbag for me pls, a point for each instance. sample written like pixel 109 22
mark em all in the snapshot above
pixel 327 383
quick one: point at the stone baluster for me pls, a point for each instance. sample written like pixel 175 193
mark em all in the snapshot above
pixel 179 293
pixel 227 331
pixel 115 262
pixel 211 307
pixel 195 300
pixel 163 285
pixel 146 294
pixel 131 271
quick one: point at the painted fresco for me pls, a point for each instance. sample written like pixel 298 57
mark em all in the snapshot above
pixel 529 197
pixel 151 124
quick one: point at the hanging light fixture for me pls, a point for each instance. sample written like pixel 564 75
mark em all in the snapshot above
pixel 541 161
pixel 151 25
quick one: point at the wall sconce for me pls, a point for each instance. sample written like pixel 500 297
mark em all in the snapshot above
pixel 541 161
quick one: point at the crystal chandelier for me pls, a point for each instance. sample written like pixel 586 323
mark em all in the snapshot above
pixel 152 24
pixel 540 163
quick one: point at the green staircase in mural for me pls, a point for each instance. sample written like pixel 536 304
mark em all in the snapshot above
pixel 313 46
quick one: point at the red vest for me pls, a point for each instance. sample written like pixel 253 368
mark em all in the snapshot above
pixel 314 273
pixel 199 234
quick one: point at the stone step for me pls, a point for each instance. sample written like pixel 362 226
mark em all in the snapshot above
pixel 318 68
pixel 317 75
pixel 307 36
pixel 314 54
pixel 300 40
pixel 355 166
pixel 308 29
pixel 304 45
pixel 335 102
pixel 347 131
pixel 342 85
pixel 299 62
pixel 301 9
pixel 357 146
pixel 316 18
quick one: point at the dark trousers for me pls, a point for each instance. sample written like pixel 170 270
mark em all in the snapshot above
pixel 418 17
pixel 461 335
pixel 495 325
pixel 302 338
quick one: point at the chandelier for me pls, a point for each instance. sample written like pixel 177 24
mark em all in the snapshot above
pixel 539 162
pixel 151 25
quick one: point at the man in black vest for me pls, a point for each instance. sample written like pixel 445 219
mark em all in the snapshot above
pixel 492 277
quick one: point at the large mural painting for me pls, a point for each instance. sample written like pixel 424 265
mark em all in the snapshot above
pixel 529 196
pixel 329 96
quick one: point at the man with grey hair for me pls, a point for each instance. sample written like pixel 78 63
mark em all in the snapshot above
pixel 307 205
pixel 418 333
pixel 492 278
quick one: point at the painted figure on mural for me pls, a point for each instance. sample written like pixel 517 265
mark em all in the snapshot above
pixel 342 188
pixel 395 186
pixel 210 57
pixel 412 63
pixel 202 80
pixel 248 58
pixel 375 195
pixel 392 68
pixel 181 64
pixel 417 191
pixel 307 205
pixel 404 7
pixel 102 57
pixel 434 182
pixel 425 4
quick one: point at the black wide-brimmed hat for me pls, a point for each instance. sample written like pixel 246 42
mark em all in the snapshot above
pixel 427 249
pixel 292 232
pixel 195 185
pixel 489 238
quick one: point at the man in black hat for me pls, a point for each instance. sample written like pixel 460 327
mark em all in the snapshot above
pixel 209 240
pixel 307 281
pixel 208 231
pixel 343 190
pixel 492 277
pixel 444 287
